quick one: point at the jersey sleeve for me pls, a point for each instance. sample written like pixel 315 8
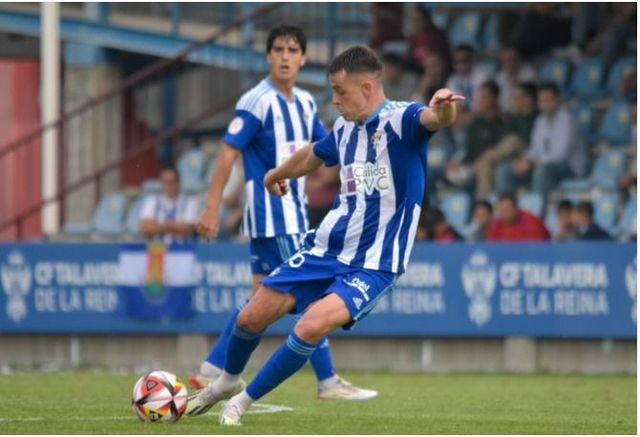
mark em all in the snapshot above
pixel 246 122
pixel 327 150
pixel 319 131
pixel 411 127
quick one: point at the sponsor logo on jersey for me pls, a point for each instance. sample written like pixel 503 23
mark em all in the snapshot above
pixel 365 177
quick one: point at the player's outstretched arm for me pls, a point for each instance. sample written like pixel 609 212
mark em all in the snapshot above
pixel 441 111
pixel 209 223
pixel 303 162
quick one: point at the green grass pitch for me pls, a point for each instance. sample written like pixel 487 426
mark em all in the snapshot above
pixel 85 403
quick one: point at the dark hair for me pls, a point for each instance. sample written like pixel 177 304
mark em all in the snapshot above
pixel 564 205
pixel 549 86
pixel 357 59
pixel 510 196
pixel 171 169
pixel 585 207
pixel 529 88
pixel 465 48
pixel 289 31
pixel 484 204
pixel 492 87
pixel 431 217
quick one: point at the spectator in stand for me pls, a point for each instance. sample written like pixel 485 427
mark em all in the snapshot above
pixel 481 221
pixel 436 228
pixel 484 131
pixel 564 230
pixel 426 38
pixel 387 21
pixel 399 84
pixel 467 77
pixel 514 224
pixel 518 129
pixel 557 150
pixel 612 40
pixel 170 216
pixel 512 72
pixel 540 28
pixel 585 227
pixel 322 187
pixel 433 77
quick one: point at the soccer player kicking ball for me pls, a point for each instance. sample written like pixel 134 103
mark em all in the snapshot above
pixel 362 245
pixel 272 121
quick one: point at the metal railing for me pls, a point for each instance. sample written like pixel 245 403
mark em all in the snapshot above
pixel 125 123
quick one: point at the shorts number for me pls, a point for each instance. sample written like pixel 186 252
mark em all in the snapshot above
pixel 298 259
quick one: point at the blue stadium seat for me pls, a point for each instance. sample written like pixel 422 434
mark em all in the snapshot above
pixel 618 72
pixel 132 223
pixel 606 210
pixel 440 19
pixel 588 79
pixel 466 30
pixel 616 124
pixel 490 34
pixel 531 202
pixel 557 71
pixel 628 223
pixel 586 118
pixel 456 208
pixel 108 218
pixel 605 174
pixel 191 166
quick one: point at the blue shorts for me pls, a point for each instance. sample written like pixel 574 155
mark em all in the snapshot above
pixel 269 253
pixel 309 278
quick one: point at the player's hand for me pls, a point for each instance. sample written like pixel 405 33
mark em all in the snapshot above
pixel 274 186
pixel 444 97
pixel 208 224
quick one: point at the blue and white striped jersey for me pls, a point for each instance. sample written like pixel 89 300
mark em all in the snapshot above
pixel 382 169
pixel 268 129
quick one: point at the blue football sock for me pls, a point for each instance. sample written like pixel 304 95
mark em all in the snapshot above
pixel 286 361
pixel 321 361
pixel 241 345
pixel 219 349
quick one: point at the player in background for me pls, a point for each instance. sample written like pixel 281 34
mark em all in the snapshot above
pixel 361 246
pixel 272 121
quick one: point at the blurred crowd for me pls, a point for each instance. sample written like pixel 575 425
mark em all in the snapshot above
pixel 517 131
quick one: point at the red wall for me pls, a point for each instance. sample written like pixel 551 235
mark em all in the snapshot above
pixel 20 175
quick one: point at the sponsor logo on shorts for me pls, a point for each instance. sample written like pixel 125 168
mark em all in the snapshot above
pixel 359 285
pixel 358 302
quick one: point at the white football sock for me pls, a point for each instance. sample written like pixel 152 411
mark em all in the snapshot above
pixel 226 380
pixel 329 382
pixel 243 400
pixel 209 370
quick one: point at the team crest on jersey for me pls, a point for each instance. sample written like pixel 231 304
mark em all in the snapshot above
pixel 365 177
pixel 236 126
pixel 375 139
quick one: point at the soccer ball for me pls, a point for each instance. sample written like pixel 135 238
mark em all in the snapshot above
pixel 159 397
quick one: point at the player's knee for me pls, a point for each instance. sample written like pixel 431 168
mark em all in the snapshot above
pixel 311 330
pixel 249 321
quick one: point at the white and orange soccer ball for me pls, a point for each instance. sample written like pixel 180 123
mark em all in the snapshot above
pixel 159 397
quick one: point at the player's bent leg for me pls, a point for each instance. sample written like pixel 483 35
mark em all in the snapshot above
pixel 265 308
pixel 211 368
pixel 320 319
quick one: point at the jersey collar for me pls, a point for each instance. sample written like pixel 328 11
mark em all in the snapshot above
pixel 381 107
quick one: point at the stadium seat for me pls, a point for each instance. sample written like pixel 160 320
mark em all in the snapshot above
pixel 618 72
pixel 531 202
pixel 491 66
pixel 616 124
pixel 588 79
pixel 586 118
pixel 132 223
pixel 490 35
pixel 628 223
pixel 556 71
pixel 605 174
pixel 108 218
pixel 456 208
pixel 440 19
pixel 466 30
pixel 191 166
pixel 606 210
